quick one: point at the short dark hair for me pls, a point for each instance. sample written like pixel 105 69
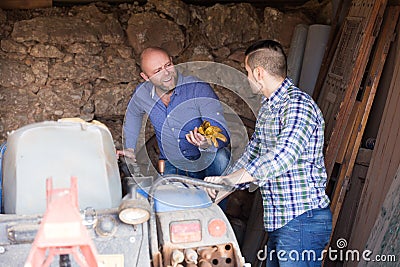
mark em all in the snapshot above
pixel 269 55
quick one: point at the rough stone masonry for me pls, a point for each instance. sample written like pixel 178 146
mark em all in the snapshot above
pixel 80 61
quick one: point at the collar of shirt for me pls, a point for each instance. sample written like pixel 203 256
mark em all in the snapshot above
pixel 278 96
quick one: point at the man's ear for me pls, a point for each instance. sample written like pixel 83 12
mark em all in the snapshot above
pixel 258 73
pixel 144 76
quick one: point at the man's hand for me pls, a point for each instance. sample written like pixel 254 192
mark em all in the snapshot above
pixel 237 177
pixel 197 139
pixel 218 195
pixel 128 153
pixel 215 180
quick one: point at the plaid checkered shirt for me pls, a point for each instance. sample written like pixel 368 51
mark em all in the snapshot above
pixel 285 156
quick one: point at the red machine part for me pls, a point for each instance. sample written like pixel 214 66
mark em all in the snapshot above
pixel 61 230
pixel 217 227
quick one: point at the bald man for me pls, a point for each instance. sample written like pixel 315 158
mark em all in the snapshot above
pixel 177 105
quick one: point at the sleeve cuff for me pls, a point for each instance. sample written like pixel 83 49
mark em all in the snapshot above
pixel 211 149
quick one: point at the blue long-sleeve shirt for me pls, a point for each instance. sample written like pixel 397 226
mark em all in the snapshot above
pixel 192 102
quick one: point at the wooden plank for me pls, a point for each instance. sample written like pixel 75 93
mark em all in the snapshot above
pixel 340 71
pixel 386 154
pixel 347 69
pixel 342 181
pixel 348 211
pixel 25 4
pixel 344 145
pixel 364 156
pixel 377 63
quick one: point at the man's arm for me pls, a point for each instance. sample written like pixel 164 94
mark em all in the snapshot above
pixel 131 128
pixel 240 176
pixel 245 157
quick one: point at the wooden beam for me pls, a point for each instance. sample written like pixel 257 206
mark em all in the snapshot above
pixel 347 136
pixel 343 177
pixel 384 163
pixel 25 4
pixel 347 70
pixel 364 156
pixel 364 107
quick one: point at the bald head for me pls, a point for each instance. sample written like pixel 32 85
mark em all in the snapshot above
pixel 151 52
pixel 158 68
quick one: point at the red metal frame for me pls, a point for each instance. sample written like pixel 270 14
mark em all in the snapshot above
pixel 61 230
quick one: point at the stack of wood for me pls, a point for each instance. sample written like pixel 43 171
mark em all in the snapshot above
pixel 345 91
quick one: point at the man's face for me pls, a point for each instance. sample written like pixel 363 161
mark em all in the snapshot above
pixel 255 87
pixel 159 69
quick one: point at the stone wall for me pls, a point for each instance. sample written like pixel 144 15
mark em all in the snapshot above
pixel 80 61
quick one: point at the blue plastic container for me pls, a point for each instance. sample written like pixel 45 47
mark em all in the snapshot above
pixel 178 196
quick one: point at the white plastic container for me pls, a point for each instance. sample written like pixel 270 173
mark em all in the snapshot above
pixel 60 150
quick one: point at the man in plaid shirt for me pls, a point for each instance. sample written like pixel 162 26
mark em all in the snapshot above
pixel 285 159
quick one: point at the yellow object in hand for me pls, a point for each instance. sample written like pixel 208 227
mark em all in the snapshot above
pixel 211 132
